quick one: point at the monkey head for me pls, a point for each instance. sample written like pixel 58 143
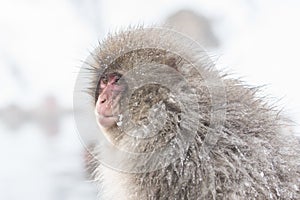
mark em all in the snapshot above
pixel 147 97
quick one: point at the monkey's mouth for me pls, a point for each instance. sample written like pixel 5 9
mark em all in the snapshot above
pixel 107 121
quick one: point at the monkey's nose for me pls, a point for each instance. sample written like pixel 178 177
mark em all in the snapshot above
pixel 102 99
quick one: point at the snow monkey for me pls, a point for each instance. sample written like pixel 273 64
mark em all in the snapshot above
pixel 174 127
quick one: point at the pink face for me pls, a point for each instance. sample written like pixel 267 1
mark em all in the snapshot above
pixel 107 105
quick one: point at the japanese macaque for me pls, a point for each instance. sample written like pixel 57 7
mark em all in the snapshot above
pixel 176 128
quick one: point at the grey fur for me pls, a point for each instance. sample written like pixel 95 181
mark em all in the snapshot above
pixel 253 158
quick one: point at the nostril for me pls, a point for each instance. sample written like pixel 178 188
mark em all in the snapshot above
pixel 102 101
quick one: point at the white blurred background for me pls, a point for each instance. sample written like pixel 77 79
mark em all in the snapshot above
pixel 43 43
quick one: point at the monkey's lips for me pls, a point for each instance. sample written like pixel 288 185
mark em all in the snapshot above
pixel 107 121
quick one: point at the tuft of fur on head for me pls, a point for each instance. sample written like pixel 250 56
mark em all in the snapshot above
pixel 252 158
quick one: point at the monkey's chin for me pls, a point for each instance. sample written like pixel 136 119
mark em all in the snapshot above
pixel 106 122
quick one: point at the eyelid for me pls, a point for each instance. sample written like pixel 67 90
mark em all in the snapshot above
pixel 117 79
pixel 116 76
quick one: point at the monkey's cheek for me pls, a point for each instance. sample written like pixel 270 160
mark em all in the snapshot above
pixel 107 122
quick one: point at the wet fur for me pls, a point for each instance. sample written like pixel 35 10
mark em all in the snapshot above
pixel 254 157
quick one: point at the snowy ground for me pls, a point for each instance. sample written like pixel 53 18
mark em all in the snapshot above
pixel 42 43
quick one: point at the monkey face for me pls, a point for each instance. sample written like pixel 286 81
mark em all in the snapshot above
pixel 107 105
